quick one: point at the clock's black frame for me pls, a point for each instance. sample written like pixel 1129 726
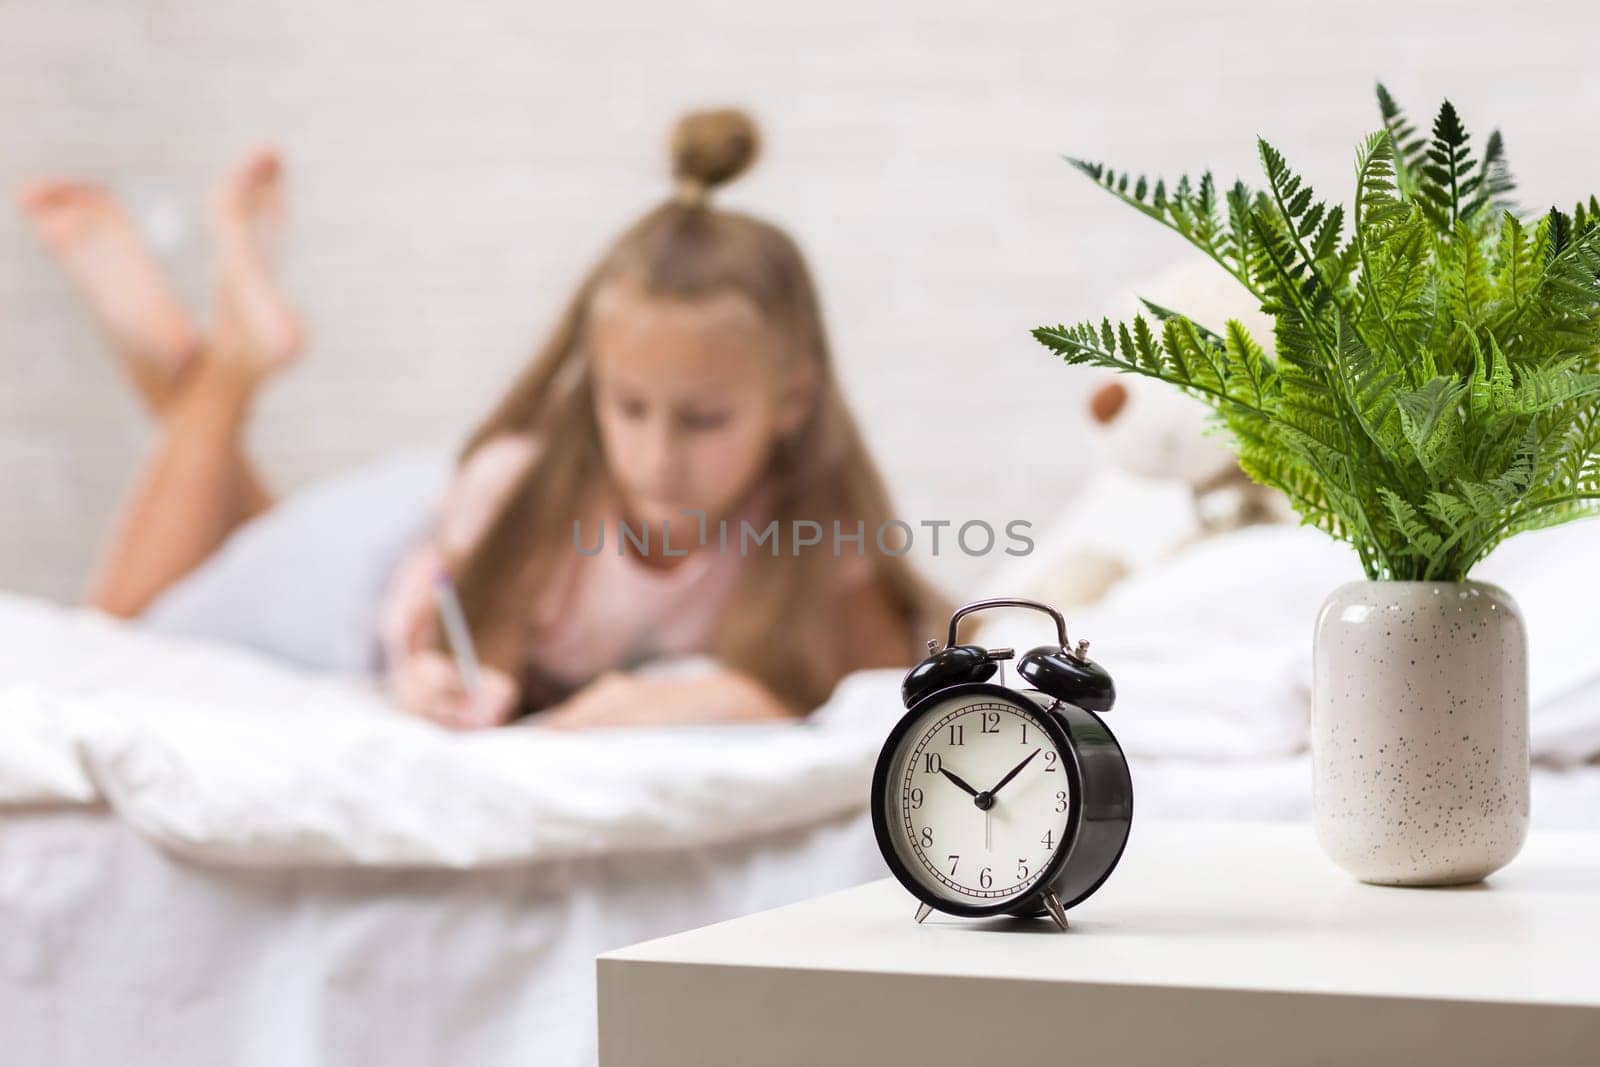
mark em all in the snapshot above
pixel 1099 787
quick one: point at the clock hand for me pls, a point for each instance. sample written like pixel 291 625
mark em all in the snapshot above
pixel 958 780
pixel 1015 771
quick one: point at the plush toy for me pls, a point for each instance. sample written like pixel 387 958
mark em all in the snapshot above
pixel 1163 480
pixel 1150 431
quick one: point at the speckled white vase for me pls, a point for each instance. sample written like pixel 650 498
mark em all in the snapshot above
pixel 1419 731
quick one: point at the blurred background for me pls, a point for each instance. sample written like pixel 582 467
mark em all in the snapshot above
pixel 452 170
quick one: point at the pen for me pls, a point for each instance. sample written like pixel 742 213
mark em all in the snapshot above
pixel 460 638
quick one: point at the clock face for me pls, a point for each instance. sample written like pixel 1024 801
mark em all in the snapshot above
pixel 977 799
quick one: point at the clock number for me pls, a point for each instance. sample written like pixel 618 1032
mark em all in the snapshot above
pixel 1050 760
pixel 1061 800
pixel 916 799
pixel 991 722
pixel 932 763
pixel 985 879
pixel 1022 870
pixel 957 734
pixel 1048 840
pixel 1024 733
pixel 953 861
pixel 927 837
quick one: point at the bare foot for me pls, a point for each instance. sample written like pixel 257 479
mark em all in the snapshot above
pixel 254 321
pixel 88 232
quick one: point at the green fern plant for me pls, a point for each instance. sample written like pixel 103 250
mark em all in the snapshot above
pixel 1435 387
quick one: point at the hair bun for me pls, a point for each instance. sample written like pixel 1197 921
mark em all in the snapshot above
pixel 710 148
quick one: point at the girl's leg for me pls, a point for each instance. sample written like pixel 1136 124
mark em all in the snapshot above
pixel 90 235
pixel 198 486
pixel 194 490
pixel 247 211
pixel 247 214
pixel 248 218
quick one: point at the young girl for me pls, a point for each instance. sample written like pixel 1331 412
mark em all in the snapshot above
pixel 688 385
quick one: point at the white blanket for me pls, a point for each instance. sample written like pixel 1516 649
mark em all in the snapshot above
pixel 225 755
pixel 1211 648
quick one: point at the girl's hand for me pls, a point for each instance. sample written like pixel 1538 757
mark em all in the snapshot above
pixel 429 685
pixel 617 698
pixel 408 616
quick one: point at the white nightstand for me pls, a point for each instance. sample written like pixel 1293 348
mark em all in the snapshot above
pixel 1211 944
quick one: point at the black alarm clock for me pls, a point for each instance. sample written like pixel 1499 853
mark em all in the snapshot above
pixel 997 800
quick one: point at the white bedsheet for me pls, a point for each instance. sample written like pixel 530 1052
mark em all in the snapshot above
pixel 113 952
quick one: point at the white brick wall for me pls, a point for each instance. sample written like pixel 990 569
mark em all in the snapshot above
pixel 453 170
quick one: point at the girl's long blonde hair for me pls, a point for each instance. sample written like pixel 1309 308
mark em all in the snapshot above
pixel 777 622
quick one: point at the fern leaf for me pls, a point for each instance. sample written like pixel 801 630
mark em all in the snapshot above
pixel 1447 165
pixel 1393 245
pixel 1421 539
pixel 1431 421
pixel 1410 149
pixel 1189 210
pixel 1464 276
pixel 1299 218
pixel 1162 314
pixel 1493 182
pixel 1255 373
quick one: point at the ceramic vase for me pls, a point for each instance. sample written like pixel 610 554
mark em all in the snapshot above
pixel 1419 731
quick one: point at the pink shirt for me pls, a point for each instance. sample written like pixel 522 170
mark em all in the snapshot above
pixel 606 611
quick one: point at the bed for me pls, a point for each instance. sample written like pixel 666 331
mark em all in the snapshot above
pixel 208 857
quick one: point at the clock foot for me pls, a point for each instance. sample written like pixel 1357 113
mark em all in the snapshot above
pixel 924 911
pixel 1058 914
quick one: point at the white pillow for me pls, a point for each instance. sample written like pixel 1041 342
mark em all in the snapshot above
pixel 303 582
